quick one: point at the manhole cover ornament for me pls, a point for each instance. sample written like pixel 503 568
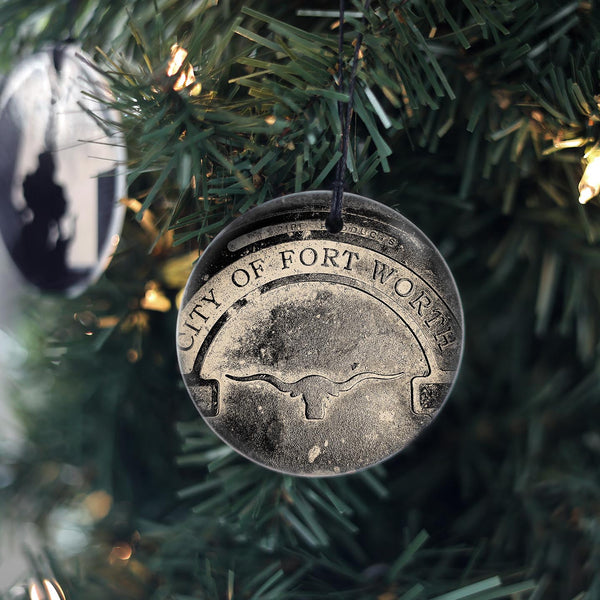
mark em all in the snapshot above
pixel 315 353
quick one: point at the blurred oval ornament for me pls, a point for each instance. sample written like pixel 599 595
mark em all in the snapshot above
pixel 315 353
pixel 62 170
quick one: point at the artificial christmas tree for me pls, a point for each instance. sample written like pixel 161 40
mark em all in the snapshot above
pixel 475 120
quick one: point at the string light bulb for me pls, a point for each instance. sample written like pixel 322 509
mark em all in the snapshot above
pixel 122 552
pixel 35 593
pixel 154 299
pixel 186 76
pixel 51 590
pixel 589 186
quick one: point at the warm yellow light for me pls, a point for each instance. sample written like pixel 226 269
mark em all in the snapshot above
pixel 34 592
pixel 53 590
pixel 98 504
pixel 133 355
pixel 120 552
pixel 107 322
pixel 586 193
pixel 178 55
pixel 154 299
pixel 186 76
pixel 589 186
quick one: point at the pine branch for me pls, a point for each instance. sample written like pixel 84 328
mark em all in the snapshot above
pixel 499 101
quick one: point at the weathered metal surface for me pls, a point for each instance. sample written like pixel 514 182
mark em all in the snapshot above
pixel 314 353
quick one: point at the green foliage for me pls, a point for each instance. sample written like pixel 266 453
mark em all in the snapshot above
pixel 27 26
pixel 471 117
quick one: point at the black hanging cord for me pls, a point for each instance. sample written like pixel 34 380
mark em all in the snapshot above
pixel 334 222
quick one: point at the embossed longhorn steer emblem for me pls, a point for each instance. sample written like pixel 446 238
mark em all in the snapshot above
pixel 314 389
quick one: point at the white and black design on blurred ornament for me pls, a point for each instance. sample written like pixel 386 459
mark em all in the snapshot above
pixel 62 170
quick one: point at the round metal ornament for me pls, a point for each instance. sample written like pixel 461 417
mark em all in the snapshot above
pixel 314 353
pixel 62 171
